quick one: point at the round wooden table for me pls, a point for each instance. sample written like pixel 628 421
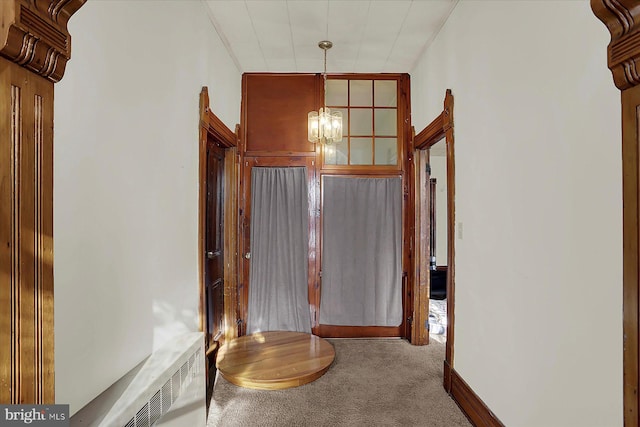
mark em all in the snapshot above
pixel 274 360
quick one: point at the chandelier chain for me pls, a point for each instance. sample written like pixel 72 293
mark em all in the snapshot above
pixel 324 126
pixel 325 79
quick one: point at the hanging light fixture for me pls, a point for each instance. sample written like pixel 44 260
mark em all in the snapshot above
pixel 325 126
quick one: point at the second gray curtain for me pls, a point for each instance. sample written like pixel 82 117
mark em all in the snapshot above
pixel 278 272
pixel 361 252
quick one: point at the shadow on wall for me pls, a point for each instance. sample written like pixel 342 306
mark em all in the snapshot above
pixel 170 323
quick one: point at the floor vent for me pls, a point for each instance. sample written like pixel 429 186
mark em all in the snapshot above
pixel 162 400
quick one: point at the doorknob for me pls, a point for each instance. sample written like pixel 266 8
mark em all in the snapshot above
pixel 247 255
pixel 210 254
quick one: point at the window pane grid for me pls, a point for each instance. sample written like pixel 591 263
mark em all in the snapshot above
pixel 370 122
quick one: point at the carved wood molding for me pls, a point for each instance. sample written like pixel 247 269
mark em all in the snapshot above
pixel 33 34
pixel 213 124
pixel 622 18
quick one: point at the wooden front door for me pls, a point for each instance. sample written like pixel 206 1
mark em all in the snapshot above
pixel 214 247
pixel 353 331
pixel 243 289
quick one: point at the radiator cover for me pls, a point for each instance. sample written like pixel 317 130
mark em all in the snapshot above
pixel 146 393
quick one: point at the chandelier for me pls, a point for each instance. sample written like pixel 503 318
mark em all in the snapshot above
pixel 324 126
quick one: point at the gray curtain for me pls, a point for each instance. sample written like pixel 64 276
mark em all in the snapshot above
pixel 278 292
pixel 361 252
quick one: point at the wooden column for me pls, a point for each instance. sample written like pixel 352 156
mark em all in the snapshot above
pixel 34 47
pixel 622 18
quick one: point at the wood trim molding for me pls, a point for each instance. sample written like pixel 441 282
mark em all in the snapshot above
pixel 431 134
pixel 212 129
pixel 202 216
pixel 231 177
pixel 213 125
pixel 421 250
pixel 279 154
pixel 26 236
pixel 34 35
pixel 437 129
pixel 622 18
pixel 442 127
pixel 472 406
pixel 631 254
pixel 331 331
pixel 451 227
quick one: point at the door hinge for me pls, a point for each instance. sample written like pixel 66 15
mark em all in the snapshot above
pixel 428 169
pixel 427 325
pixel 410 320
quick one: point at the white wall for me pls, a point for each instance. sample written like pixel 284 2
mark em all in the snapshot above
pixel 538 322
pixel 126 184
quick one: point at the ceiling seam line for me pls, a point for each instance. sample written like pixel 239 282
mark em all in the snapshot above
pixel 364 28
pixel 255 33
pixel 223 38
pixel 293 47
pixel 386 61
pixel 434 36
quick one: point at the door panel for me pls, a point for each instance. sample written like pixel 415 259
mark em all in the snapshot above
pixel 351 195
pixel 243 287
pixel 423 249
pixel 214 246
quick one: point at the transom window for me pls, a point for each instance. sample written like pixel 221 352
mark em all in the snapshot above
pixel 370 122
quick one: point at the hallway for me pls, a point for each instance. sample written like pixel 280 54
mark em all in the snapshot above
pixel 371 383
pixel 537 191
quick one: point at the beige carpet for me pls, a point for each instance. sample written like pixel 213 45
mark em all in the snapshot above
pixel 371 383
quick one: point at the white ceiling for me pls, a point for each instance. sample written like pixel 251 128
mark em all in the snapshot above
pixel 371 36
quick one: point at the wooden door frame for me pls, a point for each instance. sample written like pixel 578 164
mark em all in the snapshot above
pixel 622 18
pixel 214 131
pixel 404 170
pixel 35 46
pixel 421 249
pixel 442 127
